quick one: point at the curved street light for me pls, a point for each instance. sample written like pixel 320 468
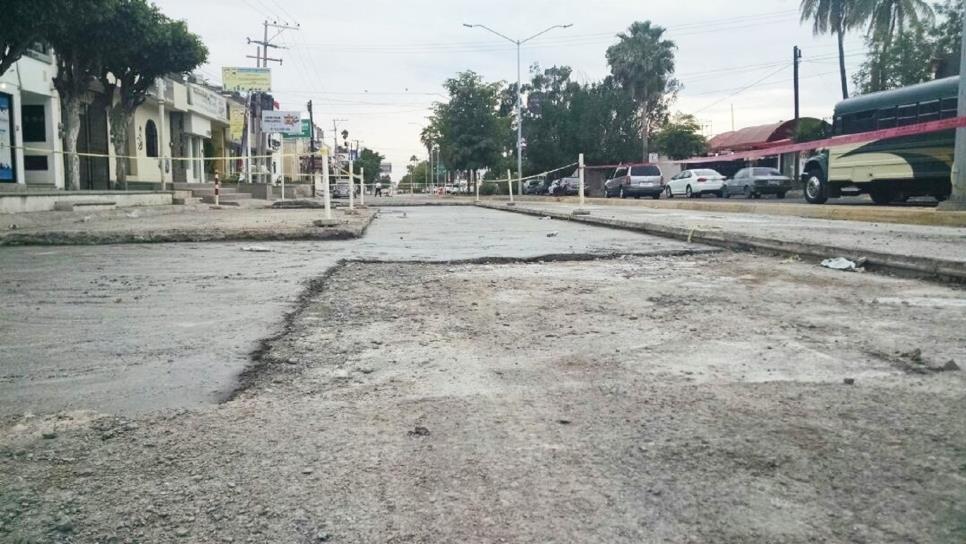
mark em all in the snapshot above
pixel 519 43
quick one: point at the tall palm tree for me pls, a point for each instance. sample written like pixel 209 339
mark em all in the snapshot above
pixel 888 18
pixel 642 62
pixel 835 17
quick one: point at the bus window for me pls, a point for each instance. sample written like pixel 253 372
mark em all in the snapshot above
pixel 907 115
pixel 864 121
pixel 887 118
pixel 949 108
pixel 837 127
pixel 928 111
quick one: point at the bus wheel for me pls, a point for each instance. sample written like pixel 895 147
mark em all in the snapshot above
pixel 816 188
pixel 884 195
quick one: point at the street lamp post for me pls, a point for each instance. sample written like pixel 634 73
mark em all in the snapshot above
pixel 518 43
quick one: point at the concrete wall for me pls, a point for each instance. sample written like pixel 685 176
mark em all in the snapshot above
pixel 44 202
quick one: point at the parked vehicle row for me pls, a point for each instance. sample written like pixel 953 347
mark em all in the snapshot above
pixel 647 180
pixel 749 182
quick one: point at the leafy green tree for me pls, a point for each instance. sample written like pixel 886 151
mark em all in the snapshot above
pixel 835 17
pixel 907 61
pixel 888 24
pixel 24 23
pixel 599 120
pixel 468 127
pixel 920 52
pixel 74 36
pixel 809 130
pixel 370 161
pixel 140 45
pixel 681 138
pixel 947 36
pixel 642 62
pixel 416 176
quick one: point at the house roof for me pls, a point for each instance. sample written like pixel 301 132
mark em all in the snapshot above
pixel 751 138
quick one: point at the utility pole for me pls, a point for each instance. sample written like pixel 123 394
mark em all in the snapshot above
pixel 957 200
pixel 261 61
pixel 519 44
pixel 796 60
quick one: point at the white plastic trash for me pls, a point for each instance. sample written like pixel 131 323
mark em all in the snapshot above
pixel 840 263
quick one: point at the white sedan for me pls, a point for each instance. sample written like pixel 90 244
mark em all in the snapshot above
pixel 694 183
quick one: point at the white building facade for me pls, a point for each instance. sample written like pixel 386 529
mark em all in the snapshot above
pixel 30 124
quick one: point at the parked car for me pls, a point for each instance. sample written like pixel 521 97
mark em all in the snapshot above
pixel 757 181
pixel 635 180
pixel 534 187
pixel 568 186
pixel 340 190
pixel 695 183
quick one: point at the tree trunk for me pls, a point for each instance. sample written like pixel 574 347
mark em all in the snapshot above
pixel 645 126
pixel 119 125
pixel 72 106
pixel 845 80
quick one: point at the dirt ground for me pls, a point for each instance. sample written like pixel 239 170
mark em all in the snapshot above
pixel 707 398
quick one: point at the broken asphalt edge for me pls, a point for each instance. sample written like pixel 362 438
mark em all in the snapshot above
pixel 200 235
pixel 919 267
pixel 262 361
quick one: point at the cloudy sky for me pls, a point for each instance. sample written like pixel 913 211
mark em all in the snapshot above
pixel 379 64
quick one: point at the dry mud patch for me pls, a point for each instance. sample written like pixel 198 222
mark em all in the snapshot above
pixel 658 399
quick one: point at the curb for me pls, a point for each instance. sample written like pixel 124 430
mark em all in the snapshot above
pixel 940 269
pixel 872 214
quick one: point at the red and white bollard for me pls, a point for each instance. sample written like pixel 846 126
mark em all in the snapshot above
pixel 217 189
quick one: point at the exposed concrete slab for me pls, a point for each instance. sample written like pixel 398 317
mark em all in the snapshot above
pixel 197 224
pixel 137 328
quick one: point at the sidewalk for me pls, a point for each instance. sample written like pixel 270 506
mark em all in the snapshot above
pixel 843 211
pixel 921 250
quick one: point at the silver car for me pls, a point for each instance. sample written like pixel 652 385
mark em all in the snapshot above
pixel 636 180
pixel 757 181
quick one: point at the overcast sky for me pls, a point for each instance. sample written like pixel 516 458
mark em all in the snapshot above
pixel 379 64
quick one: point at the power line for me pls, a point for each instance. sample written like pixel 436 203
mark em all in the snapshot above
pixel 740 90
pixel 718 25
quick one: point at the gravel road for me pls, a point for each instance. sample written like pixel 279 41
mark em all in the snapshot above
pixel 703 398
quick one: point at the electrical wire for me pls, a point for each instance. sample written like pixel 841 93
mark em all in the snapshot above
pixel 741 90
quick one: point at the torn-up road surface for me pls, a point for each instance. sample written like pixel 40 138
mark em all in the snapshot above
pixel 702 398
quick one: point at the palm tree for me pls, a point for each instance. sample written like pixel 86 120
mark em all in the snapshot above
pixel 835 17
pixel 642 62
pixel 888 18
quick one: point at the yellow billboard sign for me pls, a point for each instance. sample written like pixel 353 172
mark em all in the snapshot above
pixel 236 121
pixel 245 80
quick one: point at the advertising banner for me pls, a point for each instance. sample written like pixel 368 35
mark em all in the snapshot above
pixel 236 122
pixel 207 103
pixel 385 168
pixel 8 172
pixel 244 80
pixel 304 134
pixel 282 122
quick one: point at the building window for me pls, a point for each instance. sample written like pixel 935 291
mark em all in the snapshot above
pixel 151 138
pixel 35 163
pixel 34 123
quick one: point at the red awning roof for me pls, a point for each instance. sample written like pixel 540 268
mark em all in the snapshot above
pixel 751 138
